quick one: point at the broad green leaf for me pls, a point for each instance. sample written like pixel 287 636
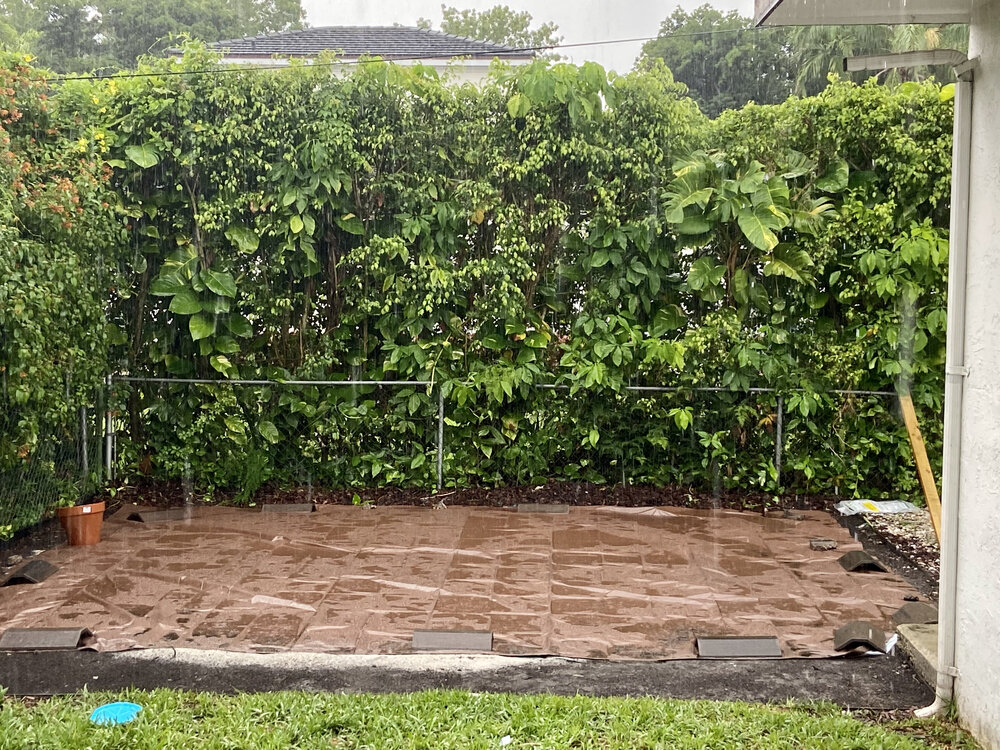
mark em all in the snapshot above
pixel 796 164
pixel 245 239
pixel 669 318
pixel 269 432
pixel 536 340
pixel 818 300
pixel 682 417
pixel 201 326
pixel 603 348
pixel 115 335
pixel 705 273
pixel 239 326
pixel 693 225
pixel 493 341
pixel 295 224
pixel 215 304
pixel 836 177
pixel 350 224
pixel 741 286
pixel 753 179
pixel 177 366
pixel 654 283
pixel 518 105
pixel 226 345
pixel 167 286
pixel 756 227
pixel 593 75
pixel 185 302
pixel 790 262
pixel 220 282
pixel 220 363
pixel 145 155
pixel 695 163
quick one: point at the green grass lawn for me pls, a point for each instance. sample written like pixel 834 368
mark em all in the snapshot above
pixel 178 721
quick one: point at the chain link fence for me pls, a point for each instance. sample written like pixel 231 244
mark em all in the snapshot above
pixel 238 436
pixel 43 466
pixel 235 437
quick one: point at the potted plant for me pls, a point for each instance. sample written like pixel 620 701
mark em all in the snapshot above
pixel 81 521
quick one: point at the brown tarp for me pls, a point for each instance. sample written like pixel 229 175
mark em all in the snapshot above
pixel 598 582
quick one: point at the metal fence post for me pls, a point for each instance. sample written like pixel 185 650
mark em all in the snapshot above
pixel 99 443
pixel 84 459
pixel 779 437
pixel 440 442
pixel 108 438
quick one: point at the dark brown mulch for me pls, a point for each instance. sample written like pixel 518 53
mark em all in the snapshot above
pixel 171 494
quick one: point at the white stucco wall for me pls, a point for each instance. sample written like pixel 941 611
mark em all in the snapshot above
pixel 978 591
pixel 457 71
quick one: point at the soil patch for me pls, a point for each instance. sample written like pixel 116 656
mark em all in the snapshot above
pixel 172 494
pixel 875 683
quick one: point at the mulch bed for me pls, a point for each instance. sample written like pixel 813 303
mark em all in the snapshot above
pixel 173 494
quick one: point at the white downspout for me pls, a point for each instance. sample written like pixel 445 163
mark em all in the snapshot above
pixel 955 374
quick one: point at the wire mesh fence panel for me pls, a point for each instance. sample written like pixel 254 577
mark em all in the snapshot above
pixel 47 465
pixel 238 437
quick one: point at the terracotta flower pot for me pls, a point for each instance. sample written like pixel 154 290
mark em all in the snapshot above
pixel 82 523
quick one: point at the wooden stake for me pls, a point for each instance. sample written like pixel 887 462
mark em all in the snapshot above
pixel 923 465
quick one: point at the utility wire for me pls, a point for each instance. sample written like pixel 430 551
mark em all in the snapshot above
pixel 409 58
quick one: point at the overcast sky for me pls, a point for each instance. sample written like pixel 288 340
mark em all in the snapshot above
pixel 578 20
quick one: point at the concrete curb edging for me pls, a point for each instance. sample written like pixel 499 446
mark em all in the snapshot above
pixel 919 643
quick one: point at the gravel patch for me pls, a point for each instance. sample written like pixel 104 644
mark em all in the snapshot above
pixel 912 535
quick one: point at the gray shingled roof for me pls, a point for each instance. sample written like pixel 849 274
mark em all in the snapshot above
pixel 354 41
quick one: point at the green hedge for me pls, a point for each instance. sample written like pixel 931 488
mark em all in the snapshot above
pixel 552 226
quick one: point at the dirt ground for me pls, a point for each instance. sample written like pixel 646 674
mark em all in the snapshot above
pixel 885 683
pixel 171 494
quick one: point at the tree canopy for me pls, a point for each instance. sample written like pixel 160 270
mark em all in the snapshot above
pixel 501 25
pixel 82 36
pixel 818 51
pixel 722 59
pixel 725 62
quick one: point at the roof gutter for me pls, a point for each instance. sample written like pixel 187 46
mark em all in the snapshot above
pixel 764 10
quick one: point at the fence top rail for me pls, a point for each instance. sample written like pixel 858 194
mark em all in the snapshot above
pixel 543 386
pixel 217 381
